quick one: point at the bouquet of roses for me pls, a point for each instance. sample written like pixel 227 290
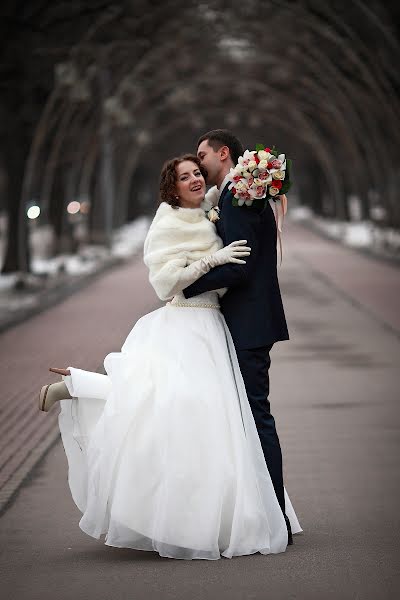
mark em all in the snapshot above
pixel 262 173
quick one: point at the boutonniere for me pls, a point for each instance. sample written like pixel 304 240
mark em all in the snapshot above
pixel 213 214
pixel 260 174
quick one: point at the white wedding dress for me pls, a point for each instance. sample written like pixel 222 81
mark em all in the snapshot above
pixel 163 451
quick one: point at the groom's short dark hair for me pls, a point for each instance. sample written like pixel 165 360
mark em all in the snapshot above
pixel 223 137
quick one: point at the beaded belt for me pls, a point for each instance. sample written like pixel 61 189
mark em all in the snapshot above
pixel 193 305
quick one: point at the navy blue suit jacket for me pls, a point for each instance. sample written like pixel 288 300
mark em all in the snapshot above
pixel 252 306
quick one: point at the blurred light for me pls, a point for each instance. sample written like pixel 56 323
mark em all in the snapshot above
pixel 73 207
pixel 197 121
pixel 378 213
pixel 232 119
pixel 33 212
pixel 85 207
pixel 143 138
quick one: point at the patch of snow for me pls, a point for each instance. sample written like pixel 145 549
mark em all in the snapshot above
pixel 358 235
pixel 7 281
pixel 127 241
pixel 355 234
pixel 130 238
pixel 334 229
pixel 300 213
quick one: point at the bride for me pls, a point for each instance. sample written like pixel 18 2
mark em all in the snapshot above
pixel 163 451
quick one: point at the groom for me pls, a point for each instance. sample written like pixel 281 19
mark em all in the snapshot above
pixel 252 306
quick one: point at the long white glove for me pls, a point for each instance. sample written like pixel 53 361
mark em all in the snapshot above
pixel 235 252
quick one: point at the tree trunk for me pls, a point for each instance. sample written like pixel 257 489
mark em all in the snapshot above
pixel 17 255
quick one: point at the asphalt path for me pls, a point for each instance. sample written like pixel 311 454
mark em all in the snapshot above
pixel 335 397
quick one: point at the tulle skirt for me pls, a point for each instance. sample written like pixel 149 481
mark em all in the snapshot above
pixel 163 451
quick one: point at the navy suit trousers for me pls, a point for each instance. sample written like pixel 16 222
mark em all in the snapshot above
pixel 254 365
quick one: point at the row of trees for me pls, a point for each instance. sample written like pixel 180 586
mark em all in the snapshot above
pixel 95 96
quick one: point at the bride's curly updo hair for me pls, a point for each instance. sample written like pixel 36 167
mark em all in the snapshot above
pixel 169 178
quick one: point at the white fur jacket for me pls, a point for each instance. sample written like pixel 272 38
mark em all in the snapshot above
pixel 176 238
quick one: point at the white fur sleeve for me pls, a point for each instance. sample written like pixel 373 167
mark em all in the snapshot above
pixel 164 277
pixel 172 278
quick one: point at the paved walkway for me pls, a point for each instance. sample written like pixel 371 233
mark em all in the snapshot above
pixel 335 398
pixel 372 284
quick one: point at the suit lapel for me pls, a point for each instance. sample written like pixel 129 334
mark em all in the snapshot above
pixel 223 198
pixel 223 195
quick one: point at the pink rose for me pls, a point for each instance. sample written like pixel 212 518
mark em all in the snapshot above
pixel 276 163
pixel 259 191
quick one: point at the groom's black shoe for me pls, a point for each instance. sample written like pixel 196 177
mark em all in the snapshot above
pixel 289 531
